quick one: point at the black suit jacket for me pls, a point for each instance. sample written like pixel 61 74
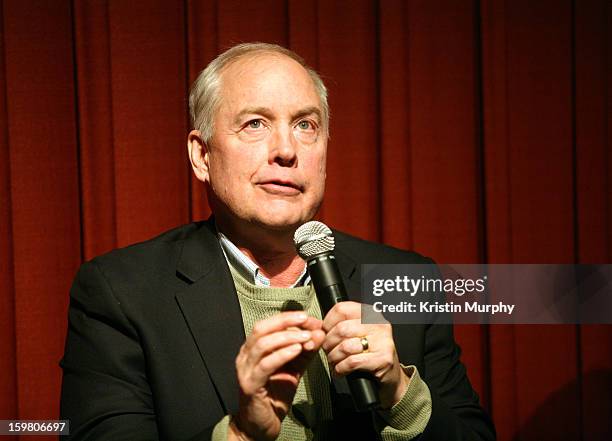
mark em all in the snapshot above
pixel 154 329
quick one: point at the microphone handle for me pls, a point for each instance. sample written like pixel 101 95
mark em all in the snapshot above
pixel 330 290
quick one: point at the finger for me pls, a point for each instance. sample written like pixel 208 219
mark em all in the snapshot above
pixel 278 322
pixel 316 340
pixel 271 363
pixel 364 361
pixel 344 330
pixel 274 341
pixel 346 348
pixel 374 316
pixel 312 323
pixel 340 312
pixel 311 349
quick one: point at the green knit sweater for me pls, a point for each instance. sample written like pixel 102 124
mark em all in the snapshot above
pixel 311 411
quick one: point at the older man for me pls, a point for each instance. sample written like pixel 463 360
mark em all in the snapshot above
pixel 187 336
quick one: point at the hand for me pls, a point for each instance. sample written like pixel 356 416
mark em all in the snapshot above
pixel 345 352
pixel 269 366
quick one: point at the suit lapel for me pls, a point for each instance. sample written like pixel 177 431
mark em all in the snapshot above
pixel 350 275
pixel 211 309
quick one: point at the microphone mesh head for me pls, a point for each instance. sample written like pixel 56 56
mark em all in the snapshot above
pixel 313 238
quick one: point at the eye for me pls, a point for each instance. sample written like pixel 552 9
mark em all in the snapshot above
pixel 306 130
pixel 255 129
pixel 254 124
pixel 305 125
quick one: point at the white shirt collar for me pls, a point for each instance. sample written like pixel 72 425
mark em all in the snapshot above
pixel 249 269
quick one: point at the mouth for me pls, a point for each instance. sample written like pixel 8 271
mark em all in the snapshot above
pixel 281 187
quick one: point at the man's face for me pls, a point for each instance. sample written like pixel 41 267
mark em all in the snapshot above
pixel 266 160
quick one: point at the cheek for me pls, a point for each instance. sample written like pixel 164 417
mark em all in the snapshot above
pixel 317 171
pixel 322 162
pixel 232 174
pixel 316 181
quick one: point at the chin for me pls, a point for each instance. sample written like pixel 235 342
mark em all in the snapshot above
pixel 279 224
pixel 281 221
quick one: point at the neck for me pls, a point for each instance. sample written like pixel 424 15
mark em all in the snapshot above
pixel 272 251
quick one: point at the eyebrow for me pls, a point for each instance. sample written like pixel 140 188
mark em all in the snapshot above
pixel 268 113
pixel 310 110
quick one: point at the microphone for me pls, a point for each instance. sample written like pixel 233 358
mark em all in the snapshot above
pixel 315 244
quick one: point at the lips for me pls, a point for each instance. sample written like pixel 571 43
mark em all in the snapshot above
pixel 280 186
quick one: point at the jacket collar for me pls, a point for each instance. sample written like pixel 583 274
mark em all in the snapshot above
pixel 201 251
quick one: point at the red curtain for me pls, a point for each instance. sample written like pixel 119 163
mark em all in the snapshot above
pixel 471 131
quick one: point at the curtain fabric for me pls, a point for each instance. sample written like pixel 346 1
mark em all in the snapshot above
pixel 470 131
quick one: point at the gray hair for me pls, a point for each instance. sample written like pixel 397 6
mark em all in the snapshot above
pixel 204 97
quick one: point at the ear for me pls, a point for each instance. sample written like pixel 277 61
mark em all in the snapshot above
pixel 198 155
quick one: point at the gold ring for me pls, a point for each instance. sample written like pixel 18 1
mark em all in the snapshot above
pixel 365 345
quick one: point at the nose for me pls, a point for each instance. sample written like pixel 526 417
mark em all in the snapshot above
pixel 283 150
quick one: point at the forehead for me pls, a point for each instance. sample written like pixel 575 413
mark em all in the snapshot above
pixel 267 79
